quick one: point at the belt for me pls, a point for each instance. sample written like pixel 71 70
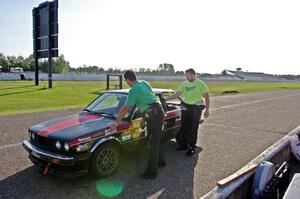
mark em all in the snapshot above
pixel 151 110
pixel 184 106
pixel 154 103
pixel 152 106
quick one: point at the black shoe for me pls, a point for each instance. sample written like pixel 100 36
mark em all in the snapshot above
pixel 190 152
pixel 182 148
pixel 148 176
pixel 162 163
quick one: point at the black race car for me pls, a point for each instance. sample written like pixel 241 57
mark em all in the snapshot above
pixel 76 144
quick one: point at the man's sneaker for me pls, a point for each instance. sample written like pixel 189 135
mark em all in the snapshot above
pixel 190 152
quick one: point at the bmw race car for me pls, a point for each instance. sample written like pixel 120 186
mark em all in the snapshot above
pixel 76 144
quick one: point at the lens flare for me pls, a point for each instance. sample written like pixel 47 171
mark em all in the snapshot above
pixel 108 188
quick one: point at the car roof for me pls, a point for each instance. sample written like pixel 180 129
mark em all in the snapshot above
pixel 155 90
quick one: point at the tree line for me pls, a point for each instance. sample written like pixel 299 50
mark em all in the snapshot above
pixel 61 65
pixel 162 69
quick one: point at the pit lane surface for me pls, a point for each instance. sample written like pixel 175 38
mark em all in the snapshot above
pixel 239 128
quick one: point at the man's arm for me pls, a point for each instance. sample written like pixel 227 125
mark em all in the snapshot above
pixel 122 113
pixel 130 101
pixel 207 104
pixel 174 96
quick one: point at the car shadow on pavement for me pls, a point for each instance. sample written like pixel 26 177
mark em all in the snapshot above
pixel 176 180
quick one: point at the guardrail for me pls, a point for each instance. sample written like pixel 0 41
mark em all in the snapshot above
pixel 240 188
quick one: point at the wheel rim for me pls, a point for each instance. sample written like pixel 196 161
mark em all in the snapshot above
pixel 107 161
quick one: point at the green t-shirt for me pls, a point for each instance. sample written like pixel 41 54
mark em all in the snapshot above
pixel 141 94
pixel 192 92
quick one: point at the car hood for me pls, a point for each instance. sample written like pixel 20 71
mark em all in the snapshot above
pixel 72 126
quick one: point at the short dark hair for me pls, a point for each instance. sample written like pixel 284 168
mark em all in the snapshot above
pixel 190 70
pixel 130 75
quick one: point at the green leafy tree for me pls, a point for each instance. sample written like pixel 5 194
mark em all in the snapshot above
pixel 4 62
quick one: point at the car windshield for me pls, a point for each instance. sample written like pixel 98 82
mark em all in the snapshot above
pixel 107 104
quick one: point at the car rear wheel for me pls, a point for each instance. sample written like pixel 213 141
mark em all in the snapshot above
pixel 105 160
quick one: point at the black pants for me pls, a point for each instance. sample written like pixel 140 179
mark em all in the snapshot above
pixel 190 119
pixel 154 117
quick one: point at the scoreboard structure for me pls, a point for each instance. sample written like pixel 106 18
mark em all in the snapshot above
pixel 45 36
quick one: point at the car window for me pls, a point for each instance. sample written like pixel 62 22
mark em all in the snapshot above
pixel 109 103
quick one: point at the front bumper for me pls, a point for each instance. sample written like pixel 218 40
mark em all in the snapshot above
pixel 47 156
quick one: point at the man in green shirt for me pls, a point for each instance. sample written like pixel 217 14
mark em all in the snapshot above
pixel 143 97
pixel 192 92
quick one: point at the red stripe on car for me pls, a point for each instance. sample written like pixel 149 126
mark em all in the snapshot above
pixel 66 124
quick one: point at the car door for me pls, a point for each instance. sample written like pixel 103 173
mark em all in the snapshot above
pixel 134 126
pixel 172 117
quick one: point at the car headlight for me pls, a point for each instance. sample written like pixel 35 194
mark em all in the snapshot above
pixel 66 146
pixel 57 145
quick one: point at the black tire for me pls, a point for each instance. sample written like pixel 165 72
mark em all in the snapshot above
pixel 105 160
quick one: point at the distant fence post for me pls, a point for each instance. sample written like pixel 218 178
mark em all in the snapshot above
pixel 119 80
pixel 107 82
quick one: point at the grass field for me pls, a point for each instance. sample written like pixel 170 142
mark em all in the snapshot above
pixel 23 96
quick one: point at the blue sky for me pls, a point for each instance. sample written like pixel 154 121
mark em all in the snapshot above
pixel 15 26
pixel 256 35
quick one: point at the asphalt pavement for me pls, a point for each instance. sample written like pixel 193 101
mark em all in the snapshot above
pixel 239 128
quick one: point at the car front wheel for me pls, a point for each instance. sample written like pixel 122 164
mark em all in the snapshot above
pixel 105 160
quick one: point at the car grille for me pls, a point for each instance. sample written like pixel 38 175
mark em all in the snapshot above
pixel 44 142
pixel 48 144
